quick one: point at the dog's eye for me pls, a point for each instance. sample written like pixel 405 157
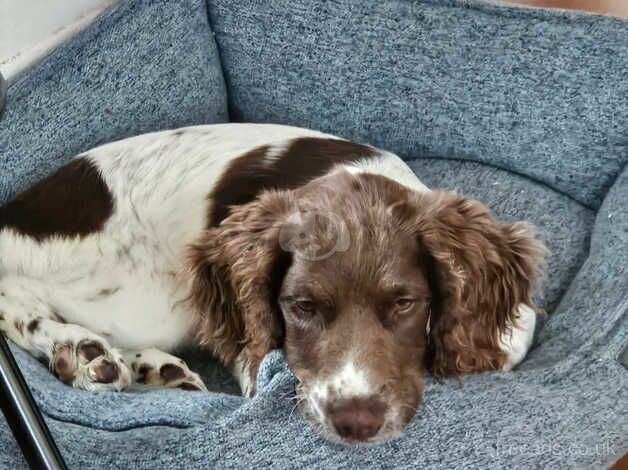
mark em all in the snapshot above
pixel 404 303
pixel 305 306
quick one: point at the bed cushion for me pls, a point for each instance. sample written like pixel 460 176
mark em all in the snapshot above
pixel 494 418
pixel 540 93
pixel 565 405
pixel 141 67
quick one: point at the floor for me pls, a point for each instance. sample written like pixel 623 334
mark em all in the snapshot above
pixel 29 29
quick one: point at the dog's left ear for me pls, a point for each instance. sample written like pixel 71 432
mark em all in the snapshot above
pixel 236 268
pixel 481 271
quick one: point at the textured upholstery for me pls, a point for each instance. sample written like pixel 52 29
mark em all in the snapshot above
pixel 525 110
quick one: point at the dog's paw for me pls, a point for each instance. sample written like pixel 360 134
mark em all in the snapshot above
pixel 90 364
pixel 517 341
pixel 155 367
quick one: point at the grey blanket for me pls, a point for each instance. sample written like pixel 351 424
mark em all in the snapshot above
pixel 526 110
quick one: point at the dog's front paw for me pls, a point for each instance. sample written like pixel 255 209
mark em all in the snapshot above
pixel 90 364
pixel 155 367
pixel 518 339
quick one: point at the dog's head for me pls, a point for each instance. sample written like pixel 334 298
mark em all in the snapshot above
pixel 365 284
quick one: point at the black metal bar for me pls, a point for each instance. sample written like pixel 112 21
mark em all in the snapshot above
pixel 17 403
pixel 24 417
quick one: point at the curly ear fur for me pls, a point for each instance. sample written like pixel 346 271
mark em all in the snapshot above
pixel 481 271
pixel 235 268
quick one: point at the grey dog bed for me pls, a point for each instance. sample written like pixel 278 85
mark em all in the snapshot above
pixel 526 110
pixel 3 92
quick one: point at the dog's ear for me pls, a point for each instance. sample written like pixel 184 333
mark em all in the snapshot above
pixel 237 269
pixel 480 271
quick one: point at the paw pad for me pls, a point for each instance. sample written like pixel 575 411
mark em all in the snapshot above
pixel 106 373
pixel 90 350
pixel 62 364
pixel 190 387
pixel 171 372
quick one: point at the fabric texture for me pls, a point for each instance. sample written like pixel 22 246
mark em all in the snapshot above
pixel 141 67
pixel 3 92
pixel 543 94
pixel 522 109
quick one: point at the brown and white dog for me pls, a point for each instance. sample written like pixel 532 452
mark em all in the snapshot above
pixel 246 238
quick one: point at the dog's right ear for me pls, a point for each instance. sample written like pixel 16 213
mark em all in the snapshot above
pixel 237 268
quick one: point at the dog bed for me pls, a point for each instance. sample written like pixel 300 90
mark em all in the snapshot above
pixel 526 110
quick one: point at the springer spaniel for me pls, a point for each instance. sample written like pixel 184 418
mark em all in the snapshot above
pixel 244 238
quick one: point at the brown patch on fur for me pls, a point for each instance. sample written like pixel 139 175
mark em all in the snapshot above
pixel 236 269
pixel 62 364
pixel 189 387
pixel 73 201
pixel 481 271
pixel 33 325
pixel 305 159
pixel 103 293
pixel 171 372
pixel 143 371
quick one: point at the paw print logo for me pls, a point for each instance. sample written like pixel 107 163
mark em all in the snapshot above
pixel 314 235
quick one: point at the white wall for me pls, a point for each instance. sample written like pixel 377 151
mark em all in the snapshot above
pixel 29 29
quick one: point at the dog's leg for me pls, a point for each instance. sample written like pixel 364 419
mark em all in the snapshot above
pixel 74 354
pixel 155 367
pixel 517 340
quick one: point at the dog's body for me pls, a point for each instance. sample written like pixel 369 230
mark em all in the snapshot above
pixel 99 263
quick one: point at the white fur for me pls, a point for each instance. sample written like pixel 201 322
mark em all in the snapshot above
pixel 350 381
pixel 517 340
pixel 389 165
pixel 43 342
pixel 275 151
pixel 156 359
pixel 242 373
pixel 347 382
pixel 159 183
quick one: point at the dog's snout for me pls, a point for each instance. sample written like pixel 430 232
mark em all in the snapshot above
pixel 357 419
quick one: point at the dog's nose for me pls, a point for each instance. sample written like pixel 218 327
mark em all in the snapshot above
pixel 357 419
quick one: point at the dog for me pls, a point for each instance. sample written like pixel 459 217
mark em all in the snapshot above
pixel 244 238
